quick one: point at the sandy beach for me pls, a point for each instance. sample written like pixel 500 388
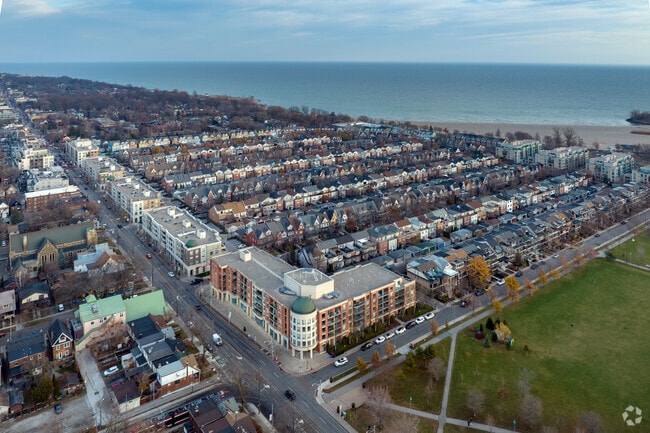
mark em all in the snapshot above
pixel 603 135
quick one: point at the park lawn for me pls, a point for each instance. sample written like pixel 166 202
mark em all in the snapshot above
pixel 638 250
pixel 587 336
pixel 404 384
pixel 360 418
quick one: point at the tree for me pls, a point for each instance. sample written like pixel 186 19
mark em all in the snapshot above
pixel 43 389
pixel 378 401
pixel 376 358
pixel 531 410
pixel 478 272
pixel 362 365
pixel 570 137
pixel 390 350
pixel 436 368
pixel 512 294
pixel 56 387
pixel 475 401
pixel 498 307
pixel 434 327
pixel 512 283
pixel 403 422
pixel 591 422
pixel 489 324
pixel 554 273
pixel 530 286
pixel 542 277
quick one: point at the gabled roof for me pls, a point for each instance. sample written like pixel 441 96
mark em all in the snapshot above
pixel 95 309
pixel 26 346
pixel 151 303
pixel 56 329
pixel 57 236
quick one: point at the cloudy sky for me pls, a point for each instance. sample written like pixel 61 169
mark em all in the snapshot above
pixel 485 31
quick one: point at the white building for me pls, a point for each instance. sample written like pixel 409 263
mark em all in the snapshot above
pixel 563 158
pixel 78 150
pixel 133 197
pixel 185 242
pixel 519 151
pixel 100 170
pixel 612 167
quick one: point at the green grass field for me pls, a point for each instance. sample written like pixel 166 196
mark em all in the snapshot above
pixel 589 348
pixel 637 250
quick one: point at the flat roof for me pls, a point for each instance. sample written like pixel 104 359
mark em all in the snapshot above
pixel 265 270
pixel 135 189
pixel 183 226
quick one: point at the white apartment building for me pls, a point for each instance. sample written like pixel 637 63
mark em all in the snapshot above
pixel 563 158
pixel 133 197
pixel 30 157
pixel 612 167
pixel 182 240
pixel 80 149
pixel 100 170
pixel 520 151
pixel 641 175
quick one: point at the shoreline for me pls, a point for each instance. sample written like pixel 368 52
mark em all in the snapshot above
pixel 590 134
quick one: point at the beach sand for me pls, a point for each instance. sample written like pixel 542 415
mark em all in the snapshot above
pixel 604 135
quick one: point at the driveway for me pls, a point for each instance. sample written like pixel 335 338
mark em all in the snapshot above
pixel 76 417
pixel 97 395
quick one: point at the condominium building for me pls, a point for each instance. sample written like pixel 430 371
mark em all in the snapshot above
pixel 182 240
pixel 39 201
pixel 132 196
pixel 519 152
pixel 100 170
pixel 30 156
pixel 80 149
pixel 563 158
pixel 641 175
pixel 302 309
pixel 612 167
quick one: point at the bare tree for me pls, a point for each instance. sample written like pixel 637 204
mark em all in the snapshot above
pixel 591 422
pixel 570 137
pixel 475 401
pixel 531 409
pixel 436 368
pixel 378 401
pixel 403 422
pixel 433 325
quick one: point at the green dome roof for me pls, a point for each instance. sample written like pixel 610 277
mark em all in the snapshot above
pixel 191 243
pixel 303 305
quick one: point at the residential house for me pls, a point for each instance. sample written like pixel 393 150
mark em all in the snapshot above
pixel 61 342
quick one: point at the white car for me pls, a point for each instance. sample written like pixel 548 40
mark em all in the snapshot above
pixel 501 282
pixel 171 274
pixel 419 320
pixel 556 256
pixel 429 315
pixel 341 362
pixel 111 370
pixel 400 330
pixel 380 339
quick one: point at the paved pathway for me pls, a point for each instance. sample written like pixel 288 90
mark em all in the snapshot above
pixel 450 367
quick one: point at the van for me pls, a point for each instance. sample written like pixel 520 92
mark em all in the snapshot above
pixel 61 307
pixel 217 339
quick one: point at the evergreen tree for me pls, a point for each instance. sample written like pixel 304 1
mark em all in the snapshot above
pixel 489 324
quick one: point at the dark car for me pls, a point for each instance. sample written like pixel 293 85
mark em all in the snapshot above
pixel 533 266
pixel 624 222
pixel 411 324
pixel 479 292
pixel 597 235
pixel 196 281
pixel 119 225
pixel 367 345
pixel 197 307
pixel 518 274
pixel 58 408
pixel 290 394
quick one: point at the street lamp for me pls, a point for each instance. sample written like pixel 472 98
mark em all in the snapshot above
pixel 514 425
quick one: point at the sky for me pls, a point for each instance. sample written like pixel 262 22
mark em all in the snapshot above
pixel 434 31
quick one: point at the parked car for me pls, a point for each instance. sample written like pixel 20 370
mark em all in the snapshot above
pixel 290 394
pixel 390 335
pixel 380 339
pixel 196 281
pixel 367 345
pixel 341 362
pixel 149 255
pixel 623 222
pixel 430 315
pixel 411 324
pixel 501 282
pixel 400 330
pixel 479 292
pixel 463 303
pixel 171 274
pixel 60 307
pixel 518 274
pixel 111 370
pixel 556 256
pixel 533 266
pixel 58 408
pixel 597 235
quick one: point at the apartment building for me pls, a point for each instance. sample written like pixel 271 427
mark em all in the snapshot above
pixel 33 156
pixel 79 150
pixel 100 170
pixel 303 309
pixel 612 167
pixel 133 197
pixel 519 152
pixel 641 175
pixel 182 240
pixel 563 158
